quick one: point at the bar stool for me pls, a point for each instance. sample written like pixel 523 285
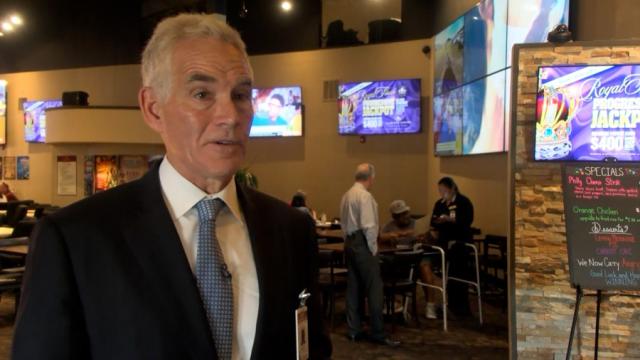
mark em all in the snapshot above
pixel 432 250
pixel 476 283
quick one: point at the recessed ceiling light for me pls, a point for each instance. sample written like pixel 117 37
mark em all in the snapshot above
pixel 6 26
pixel 286 5
pixel 16 19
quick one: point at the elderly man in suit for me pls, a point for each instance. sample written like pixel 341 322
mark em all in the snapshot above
pixel 184 263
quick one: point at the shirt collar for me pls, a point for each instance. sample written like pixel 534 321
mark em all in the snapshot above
pixel 360 186
pixel 181 195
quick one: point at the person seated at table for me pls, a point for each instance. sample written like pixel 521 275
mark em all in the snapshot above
pixel 451 221
pixel 401 229
pixel 5 193
pixel 299 201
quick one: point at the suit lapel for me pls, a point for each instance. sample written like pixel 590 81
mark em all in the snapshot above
pixel 155 242
pixel 261 248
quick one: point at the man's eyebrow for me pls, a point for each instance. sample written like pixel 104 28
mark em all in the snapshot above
pixel 245 82
pixel 201 77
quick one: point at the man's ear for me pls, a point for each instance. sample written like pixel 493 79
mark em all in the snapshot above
pixel 150 106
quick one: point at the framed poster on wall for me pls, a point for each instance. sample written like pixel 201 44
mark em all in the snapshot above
pixel 23 168
pixel 89 167
pixel 9 167
pixel 67 175
pixel 106 172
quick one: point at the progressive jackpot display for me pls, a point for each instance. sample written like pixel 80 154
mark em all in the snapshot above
pixel 588 113
pixel 379 107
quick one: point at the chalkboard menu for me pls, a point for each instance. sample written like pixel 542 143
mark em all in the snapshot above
pixel 602 211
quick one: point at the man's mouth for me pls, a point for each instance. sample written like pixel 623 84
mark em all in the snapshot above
pixel 227 142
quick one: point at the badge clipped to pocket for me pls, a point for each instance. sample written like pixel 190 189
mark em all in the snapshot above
pixel 302 327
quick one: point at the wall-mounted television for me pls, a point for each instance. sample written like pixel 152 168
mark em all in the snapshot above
pixel 531 21
pixel 379 107
pixel 3 112
pixel 588 113
pixel 447 122
pixel 449 50
pixel 472 54
pixel 485 39
pixel 471 119
pixel 277 112
pixel 35 119
pixel 483 115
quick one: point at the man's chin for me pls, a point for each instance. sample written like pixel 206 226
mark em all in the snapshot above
pixel 222 168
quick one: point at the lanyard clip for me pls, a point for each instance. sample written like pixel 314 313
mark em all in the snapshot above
pixel 304 295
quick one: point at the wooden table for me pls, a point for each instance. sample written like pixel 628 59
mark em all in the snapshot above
pixel 340 248
pixel 334 234
pixel 5 232
pixel 15 249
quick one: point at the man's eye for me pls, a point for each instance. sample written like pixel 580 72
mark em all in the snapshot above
pixel 201 95
pixel 241 96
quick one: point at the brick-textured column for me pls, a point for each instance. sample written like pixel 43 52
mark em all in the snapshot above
pixel 544 299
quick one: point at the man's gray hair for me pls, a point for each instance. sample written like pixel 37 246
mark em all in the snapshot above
pixel 156 57
pixel 364 172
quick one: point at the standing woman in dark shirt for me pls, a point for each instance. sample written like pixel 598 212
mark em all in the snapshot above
pixel 451 221
pixel 452 214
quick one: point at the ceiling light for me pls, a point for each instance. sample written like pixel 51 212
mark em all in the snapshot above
pixel 1 34
pixel 16 19
pixel 286 5
pixel 6 26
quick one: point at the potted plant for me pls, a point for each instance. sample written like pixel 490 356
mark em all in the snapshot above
pixel 245 177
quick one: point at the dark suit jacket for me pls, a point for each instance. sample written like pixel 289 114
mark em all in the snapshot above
pixel 107 278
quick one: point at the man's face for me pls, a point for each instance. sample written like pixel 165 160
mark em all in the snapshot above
pixel 205 120
pixel 274 108
pixel 403 219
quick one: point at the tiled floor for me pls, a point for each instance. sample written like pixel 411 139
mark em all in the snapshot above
pixel 464 340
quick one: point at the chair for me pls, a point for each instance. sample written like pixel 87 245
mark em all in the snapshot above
pixel 399 278
pixel 330 279
pixel 11 273
pixel 384 30
pixel 434 251
pixel 12 281
pixel 16 213
pixel 475 283
pixel 494 260
pixel 23 228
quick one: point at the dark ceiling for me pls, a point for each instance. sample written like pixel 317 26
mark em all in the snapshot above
pixel 73 33
pixel 61 34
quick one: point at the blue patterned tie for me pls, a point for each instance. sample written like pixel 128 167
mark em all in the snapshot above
pixel 214 280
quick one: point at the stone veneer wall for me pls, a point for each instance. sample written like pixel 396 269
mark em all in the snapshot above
pixel 544 300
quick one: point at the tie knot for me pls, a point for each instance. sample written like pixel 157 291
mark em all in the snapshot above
pixel 208 208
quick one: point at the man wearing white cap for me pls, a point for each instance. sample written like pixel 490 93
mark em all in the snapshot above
pixel 400 230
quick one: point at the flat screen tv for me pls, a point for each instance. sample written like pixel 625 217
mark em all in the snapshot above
pixel 447 122
pixel 483 115
pixel 531 21
pixel 3 112
pixel 588 113
pixel 485 39
pixel 449 51
pixel 379 107
pixel 277 112
pixel 35 119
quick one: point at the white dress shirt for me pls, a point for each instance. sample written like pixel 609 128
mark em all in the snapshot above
pixel 359 211
pixel 181 197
